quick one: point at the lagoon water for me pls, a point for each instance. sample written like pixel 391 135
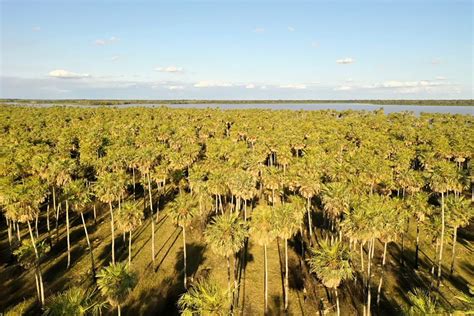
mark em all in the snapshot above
pixel 417 109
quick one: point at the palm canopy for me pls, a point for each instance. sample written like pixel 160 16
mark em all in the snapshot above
pixel 74 302
pixel 26 255
pixel 261 228
pixel 109 186
pixel 286 219
pixel 183 209
pixel 115 282
pixel 205 297
pixel 421 303
pixel 331 263
pixel 129 216
pixel 226 234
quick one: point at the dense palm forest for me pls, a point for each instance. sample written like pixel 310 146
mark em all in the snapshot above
pixel 166 211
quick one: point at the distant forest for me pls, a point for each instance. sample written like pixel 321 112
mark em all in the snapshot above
pixel 465 102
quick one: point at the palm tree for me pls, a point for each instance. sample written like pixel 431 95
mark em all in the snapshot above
pixel 459 213
pixel 261 230
pixel 421 303
pixel 205 297
pixel 286 221
pixel 331 264
pixel 128 218
pixel 440 181
pixel 115 282
pixel 74 301
pixel 109 187
pixel 226 236
pixel 182 211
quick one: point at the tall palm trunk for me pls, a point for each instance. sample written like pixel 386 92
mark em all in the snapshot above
pixel 119 312
pixel 48 225
pixel 67 237
pixel 37 266
pixel 286 274
pixel 112 229
pixel 88 245
pixel 440 258
pixel 337 302
pixel 184 257
pixel 453 254
pixel 383 272
pixel 417 244
pixel 266 278
pixel 369 266
pixel 129 248
pixel 152 221
pixel 310 223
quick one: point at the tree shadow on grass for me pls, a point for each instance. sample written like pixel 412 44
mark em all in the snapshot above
pixel 169 248
pixel 195 256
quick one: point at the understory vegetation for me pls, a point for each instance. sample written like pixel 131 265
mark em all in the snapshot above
pixel 216 212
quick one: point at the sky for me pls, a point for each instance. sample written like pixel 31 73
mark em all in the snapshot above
pixel 236 49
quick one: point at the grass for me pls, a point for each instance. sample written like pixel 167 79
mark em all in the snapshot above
pixel 160 285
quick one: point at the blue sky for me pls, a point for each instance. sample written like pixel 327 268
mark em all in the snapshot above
pixel 236 49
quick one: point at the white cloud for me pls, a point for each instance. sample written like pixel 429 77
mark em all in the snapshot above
pixel 210 84
pixel 343 88
pixel 175 88
pixel 315 44
pixel 347 60
pixel 64 74
pixel 349 80
pixel 259 30
pixel 250 86
pixel 291 29
pixel 393 84
pixel 103 42
pixel 440 78
pixel 36 28
pixel 114 58
pixel 172 69
pixel 436 61
pixel 298 86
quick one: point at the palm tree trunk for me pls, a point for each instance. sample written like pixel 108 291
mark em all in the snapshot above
pixel 453 254
pixel 362 255
pixel 95 215
pixel 118 310
pixel 67 237
pixel 54 208
pixel 48 225
pixel 9 229
pixel 89 245
pixel 369 266
pixel 440 258
pixel 129 248
pixel 152 221
pixel 58 210
pixel 383 272
pixel 417 244
pixel 310 224
pixel 337 302
pixel 37 268
pixel 286 274
pixel 112 228
pixel 133 180
pixel 18 235
pixel 184 258
pixel 266 278
pixel 36 226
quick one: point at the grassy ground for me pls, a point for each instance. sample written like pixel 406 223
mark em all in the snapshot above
pixel 161 284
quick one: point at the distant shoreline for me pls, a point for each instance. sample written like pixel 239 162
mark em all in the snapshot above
pixel 104 102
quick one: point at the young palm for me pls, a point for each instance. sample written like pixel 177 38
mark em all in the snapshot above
pixel 331 264
pixel 74 301
pixel 421 303
pixel 129 217
pixel 286 221
pixel 261 230
pixel 182 211
pixel 115 282
pixel 205 297
pixel 226 236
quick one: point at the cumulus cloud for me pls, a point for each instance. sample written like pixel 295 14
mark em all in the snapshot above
pixel 64 74
pixel 343 88
pixel 440 78
pixel 250 86
pixel 36 28
pixel 297 86
pixel 211 84
pixel 103 42
pixel 347 60
pixel 291 29
pixel 259 30
pixel 171 69
pixel 175 88
pixel 393 84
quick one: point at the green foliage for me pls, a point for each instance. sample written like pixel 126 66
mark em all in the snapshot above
pixel 226 234
pixel 115 282
pixel 74 302
pixel 331 263
pixel 205 297
pixel 25 254
pixel 422 303
pixel 183 209
pixel 22 308
pixel 129 216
